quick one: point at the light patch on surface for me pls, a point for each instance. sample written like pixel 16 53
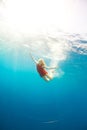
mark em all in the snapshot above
pixel 35 16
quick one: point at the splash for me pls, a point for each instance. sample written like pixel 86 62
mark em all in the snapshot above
pixel 53 50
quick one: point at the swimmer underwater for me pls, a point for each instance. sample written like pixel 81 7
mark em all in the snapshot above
pixel 41 69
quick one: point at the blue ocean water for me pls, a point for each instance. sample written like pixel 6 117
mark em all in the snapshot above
pixel 27 102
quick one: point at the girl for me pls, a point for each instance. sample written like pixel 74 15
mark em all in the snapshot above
pixel 41 68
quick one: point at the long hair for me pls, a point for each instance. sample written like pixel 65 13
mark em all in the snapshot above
pixel 42 62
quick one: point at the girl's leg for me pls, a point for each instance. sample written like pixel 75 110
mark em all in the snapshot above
pixel 46 78
pixel 49 77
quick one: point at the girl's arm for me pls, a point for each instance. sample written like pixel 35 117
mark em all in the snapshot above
pixel 33 59
pixel 50 67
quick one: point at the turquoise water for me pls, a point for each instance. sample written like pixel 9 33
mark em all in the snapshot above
pixel 27 102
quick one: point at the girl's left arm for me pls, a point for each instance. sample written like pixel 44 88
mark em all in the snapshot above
pixel 50 67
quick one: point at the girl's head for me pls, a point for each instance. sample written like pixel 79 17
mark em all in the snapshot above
pixel 41 62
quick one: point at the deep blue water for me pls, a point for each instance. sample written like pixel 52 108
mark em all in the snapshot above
pixel 27 102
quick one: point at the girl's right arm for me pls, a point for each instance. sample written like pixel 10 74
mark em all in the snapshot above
pixel 33 59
